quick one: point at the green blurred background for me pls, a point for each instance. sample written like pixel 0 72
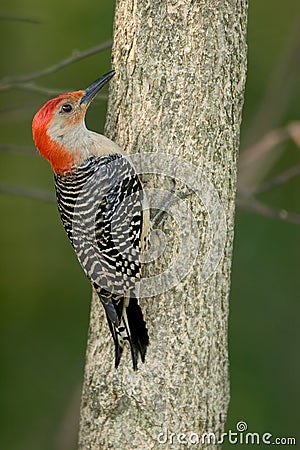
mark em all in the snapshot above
pixel 44 294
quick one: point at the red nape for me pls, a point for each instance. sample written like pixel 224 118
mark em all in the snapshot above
pixel 60 159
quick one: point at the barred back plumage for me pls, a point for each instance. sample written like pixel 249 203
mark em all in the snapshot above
pixel 101 206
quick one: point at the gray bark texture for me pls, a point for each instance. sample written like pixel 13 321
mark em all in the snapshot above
pixel 177 97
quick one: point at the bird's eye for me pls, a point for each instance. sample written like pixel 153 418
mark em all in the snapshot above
pixel 67 107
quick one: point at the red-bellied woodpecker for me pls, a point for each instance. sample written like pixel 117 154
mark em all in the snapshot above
pixel 102 206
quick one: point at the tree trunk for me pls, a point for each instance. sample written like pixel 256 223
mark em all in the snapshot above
pixel 177 93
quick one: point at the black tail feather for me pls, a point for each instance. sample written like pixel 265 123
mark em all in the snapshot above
pixel 138 331
pixel 118 347
pixel 133 329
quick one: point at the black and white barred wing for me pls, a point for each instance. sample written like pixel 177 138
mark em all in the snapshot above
pixel 103 209
pixel 106 225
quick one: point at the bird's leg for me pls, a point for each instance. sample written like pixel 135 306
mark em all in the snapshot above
pixel 160 216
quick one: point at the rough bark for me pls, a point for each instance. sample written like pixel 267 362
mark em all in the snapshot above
pixel 178 90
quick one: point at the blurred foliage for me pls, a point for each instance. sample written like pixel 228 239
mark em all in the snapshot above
pixel 44 294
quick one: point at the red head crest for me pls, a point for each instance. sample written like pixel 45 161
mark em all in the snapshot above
pixel 59 130
pixel 60 157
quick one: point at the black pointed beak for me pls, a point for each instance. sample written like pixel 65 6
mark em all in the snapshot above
pixel 92 90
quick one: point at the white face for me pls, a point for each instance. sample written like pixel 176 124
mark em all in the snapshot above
pixel 67 126
pixel 69 111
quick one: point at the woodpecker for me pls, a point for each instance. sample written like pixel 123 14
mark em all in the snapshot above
pixel 101 203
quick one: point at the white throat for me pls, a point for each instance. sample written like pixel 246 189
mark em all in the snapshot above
pixel 77 138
